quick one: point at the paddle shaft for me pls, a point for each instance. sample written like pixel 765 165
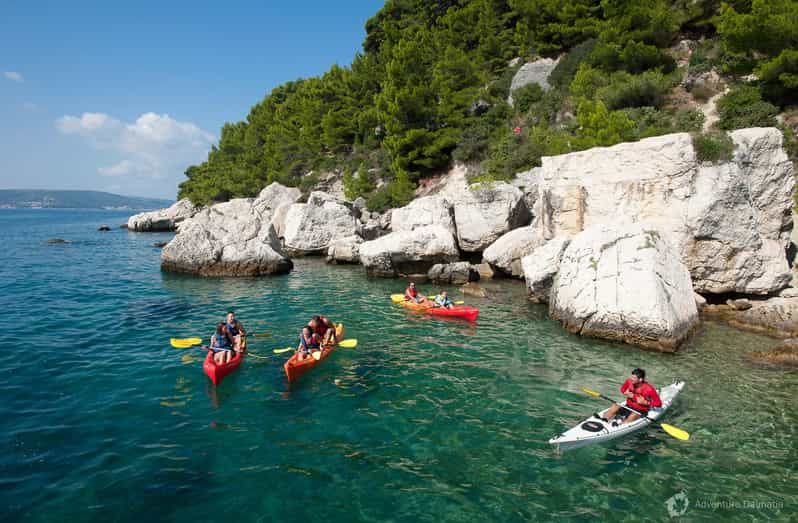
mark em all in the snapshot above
pixel 602 396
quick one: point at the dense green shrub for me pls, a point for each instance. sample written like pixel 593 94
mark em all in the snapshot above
pixel 473 145
pixel 599 126
pixel 359 184
pixel 780 77
pixel 564 71
pixel 647 89
pixel 743 107
pixel 713 147
pixel 525 96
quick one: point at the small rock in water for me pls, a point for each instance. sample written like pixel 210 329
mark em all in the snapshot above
pixel 103 228
pixel 123 226
pixel 58 240
pixel 337 381
pixel 784 354
pixel 740 305
pixel 159 245
pixel 472 289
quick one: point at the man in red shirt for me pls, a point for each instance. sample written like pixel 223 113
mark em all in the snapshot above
pixel 640 396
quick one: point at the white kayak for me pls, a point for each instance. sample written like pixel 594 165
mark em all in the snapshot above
pixel 594 430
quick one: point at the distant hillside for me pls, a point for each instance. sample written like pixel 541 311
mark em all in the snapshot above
pixel 34 198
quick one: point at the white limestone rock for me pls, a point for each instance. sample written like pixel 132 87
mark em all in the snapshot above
pixel 310 227
pixel 408 252
pixel 163 219
pixel 625 283
pixel 344 250
pixel 506 252
pixel 541 266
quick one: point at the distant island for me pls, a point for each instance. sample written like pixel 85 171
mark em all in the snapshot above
pixel 39 199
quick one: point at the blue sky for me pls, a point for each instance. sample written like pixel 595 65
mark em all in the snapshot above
pixel 122 97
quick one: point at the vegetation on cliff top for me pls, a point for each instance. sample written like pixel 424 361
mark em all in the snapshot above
pixel 432 82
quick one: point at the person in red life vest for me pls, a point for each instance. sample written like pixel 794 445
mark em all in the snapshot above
pixel 412 295
pixel 324 329
pixel 640 396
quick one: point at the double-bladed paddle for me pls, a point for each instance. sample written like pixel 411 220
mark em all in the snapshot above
pixel 670 429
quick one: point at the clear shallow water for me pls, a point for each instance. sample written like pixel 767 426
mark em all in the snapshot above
pixel 431 419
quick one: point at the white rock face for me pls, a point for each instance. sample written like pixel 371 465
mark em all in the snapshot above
pixel 485 211
pixel 730 222
pixel 541 267
pixel 429 210
pixel 163 219
pixel 278 198
pixel 625 283
pixel 310 227
pixel 533 72
pixel 344 250
pixel 527 182
pixel 506 252
pixel 234 238
pixel 408 252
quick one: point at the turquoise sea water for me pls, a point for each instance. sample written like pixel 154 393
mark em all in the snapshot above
pixel 429 419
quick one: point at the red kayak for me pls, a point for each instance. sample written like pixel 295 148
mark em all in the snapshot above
pixel 295 368
pixel 217 372
pixel 458 311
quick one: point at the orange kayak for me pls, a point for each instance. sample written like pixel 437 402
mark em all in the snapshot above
pixel 295 368
pixel 217 372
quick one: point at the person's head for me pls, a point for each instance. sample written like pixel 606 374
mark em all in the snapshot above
pixel 444 293
pixel 638 376
pixel 316 319
pixel 412 285
pixel 307 331
pixel 231 317
pixel 220 328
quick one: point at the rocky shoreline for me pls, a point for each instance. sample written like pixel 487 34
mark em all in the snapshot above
pixel 624 242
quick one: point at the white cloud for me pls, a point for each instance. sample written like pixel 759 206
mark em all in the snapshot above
pixel 153 146
pixel 14 76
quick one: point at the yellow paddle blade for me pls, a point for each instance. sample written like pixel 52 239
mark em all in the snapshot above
pixel 675 432
pixel 348 344
pixel 397 298
pixel 432 297
pixel 316 355
pixel 262 334
pixel 591 393
pixel 179 344
pixel 191 341
pixel 459 302
pixel 280 351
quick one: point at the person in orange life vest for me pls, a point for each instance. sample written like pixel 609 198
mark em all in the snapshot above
pixel 323 328
pixel 640 396
pixel 412 295
pixel 308 343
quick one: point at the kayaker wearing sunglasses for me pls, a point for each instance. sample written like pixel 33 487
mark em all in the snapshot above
pixel 640 396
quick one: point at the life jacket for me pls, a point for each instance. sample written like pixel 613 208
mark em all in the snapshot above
pixel 643 389
pixel 308 346
pixel 232 329
pixel 412 292
pixel 220 340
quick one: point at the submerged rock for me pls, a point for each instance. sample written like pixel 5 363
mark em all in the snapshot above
pixel 784 354
pixel 103 228
pixel 774 316
pixel 474 289
pixel 163 219
pixel 625 283
pixel 57 241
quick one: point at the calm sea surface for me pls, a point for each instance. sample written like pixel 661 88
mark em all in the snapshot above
pixel 426 420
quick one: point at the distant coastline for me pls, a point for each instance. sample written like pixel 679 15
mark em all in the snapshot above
pixel 64 199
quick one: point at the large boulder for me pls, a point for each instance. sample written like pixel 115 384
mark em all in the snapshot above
pixel 278 199
pixel 456 273
pixel 533 72
pixel 506 252
pixel 527 182
pixel 428 210
pixel 408 252
pixel 485 211
pixel 310 227
pixel 234 238
pixel 625 283
pixel 541 267
pixel 344 250
pixel 162 219
pixel 730 222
